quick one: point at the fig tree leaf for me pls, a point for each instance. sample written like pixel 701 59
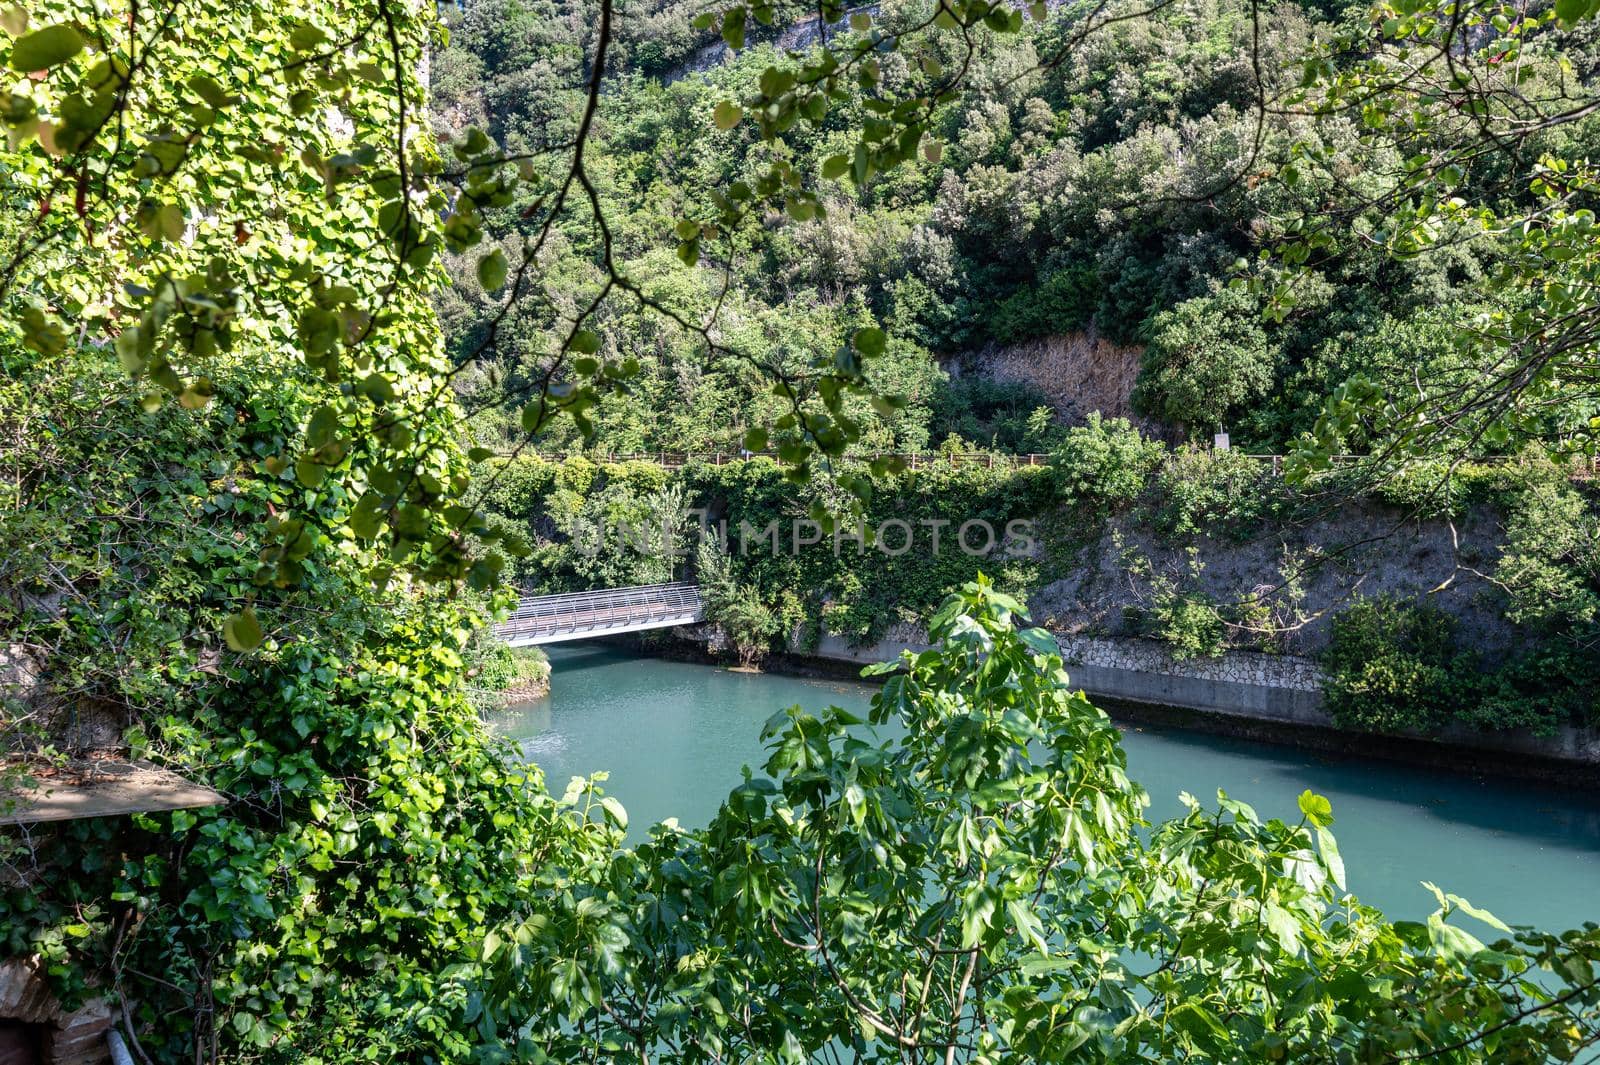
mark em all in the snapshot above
pixel 45 48
pixel 242 631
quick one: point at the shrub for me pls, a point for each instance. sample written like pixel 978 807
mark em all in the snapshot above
pixel 494 666
pixel 1550 568
pixel 1389 666
pixel 1104 463
pixel 1201 491
pixel 491 664
pixel 735 608
pixel 998 414
pixel 1060 303
pixel 1549 686
pixel 1189 622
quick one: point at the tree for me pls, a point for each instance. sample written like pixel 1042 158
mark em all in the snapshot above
pixel 242 207
pixel 735 608
pixel 985 889
pixel 1208 357
pixel 1474 131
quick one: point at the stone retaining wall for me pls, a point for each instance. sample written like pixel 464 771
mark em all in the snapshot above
pixel 1262 696
pixel 1247 683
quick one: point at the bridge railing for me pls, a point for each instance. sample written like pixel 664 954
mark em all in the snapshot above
pixel 608 608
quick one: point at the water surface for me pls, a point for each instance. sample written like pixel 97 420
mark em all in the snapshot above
pixel 673 736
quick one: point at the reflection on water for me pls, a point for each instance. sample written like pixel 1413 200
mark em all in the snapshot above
pixel 673 736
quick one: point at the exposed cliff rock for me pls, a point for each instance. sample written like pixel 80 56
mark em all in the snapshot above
pixel 1301 575
pixel 1080 372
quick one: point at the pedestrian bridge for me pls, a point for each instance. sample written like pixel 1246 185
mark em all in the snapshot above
pixel 541 619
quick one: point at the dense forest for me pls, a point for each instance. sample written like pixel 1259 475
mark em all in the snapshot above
pixel 299 301
pixel 1074 248
pixel 1078 254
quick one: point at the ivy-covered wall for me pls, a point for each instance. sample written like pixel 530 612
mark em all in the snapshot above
pixel 337 906
pixel 1497 563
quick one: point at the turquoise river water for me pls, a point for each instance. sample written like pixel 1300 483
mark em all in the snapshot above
pixel 673 736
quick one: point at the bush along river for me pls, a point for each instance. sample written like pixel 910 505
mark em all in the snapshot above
pixel 673 736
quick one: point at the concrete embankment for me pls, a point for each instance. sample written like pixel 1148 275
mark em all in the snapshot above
pixel 1246 694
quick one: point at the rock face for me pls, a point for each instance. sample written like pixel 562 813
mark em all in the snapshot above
pixel 1352 550
pixel 77 1037
pixel 1080 372
pixel 798 37
pixel 31 713
pixel 21 679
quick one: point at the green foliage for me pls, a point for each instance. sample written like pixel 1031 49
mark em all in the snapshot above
pixel 1188 621
pixel 490 665
pixel 1550 568
pixel 230 423
pixel 1443 184
pixel 1111 188
pixel 1003 415
pixel 781 554
pixel 735 608
pixel 1104 465
pixel 371 833
pixel 252 234
pixel 1208 358
pixel 1062 302
pixel 1432 488
pixel 1393 665
pixel 1215 493
pixel 866 587
pixel 962 855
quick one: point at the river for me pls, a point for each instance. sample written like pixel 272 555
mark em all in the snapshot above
pixel 673 735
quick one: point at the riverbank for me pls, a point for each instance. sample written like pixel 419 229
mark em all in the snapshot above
pixel 1239 694
pixel 673 735
pixel 504 676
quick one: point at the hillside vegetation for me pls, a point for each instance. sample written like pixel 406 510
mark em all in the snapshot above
pixel 1110 195
pixel 1076 251
pixel 264 344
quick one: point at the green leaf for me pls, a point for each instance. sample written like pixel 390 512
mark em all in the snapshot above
pixel 1331 856
pixel 306 37
pixel 1281 923
pixel 733 27
pixel 45 48
pixel 208 90
pixel 492 270
pixel 727 115
pixel 309 472
pixel 1039 641
pixel 242 631
pixel 1318 810
pixel 1568 11
pixel 584 342
pixel 870 342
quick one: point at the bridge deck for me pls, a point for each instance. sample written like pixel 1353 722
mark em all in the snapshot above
pixel 542 619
